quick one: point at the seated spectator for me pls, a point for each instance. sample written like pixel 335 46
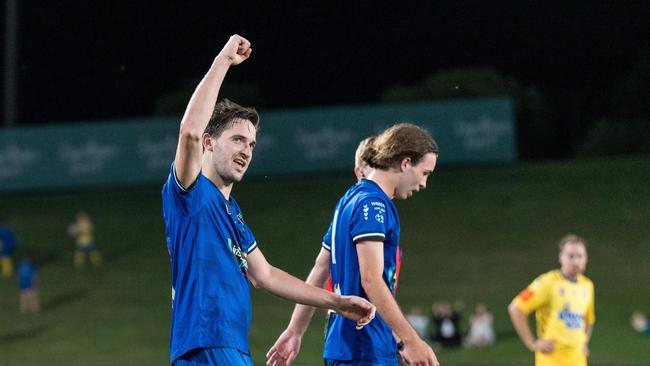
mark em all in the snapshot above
pixel 446 321
pixel 639 322
pixel 481 331
pixel 418 321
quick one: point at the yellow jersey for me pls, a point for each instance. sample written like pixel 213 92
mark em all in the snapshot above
pixel 84 233
pixel 563 309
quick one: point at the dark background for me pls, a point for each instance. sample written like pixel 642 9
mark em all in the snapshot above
pixel 104 60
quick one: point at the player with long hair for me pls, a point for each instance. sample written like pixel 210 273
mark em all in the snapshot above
pixel 362 256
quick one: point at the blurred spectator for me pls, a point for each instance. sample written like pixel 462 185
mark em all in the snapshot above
pixel 481 331
pixel 82 232
pixel 418 321
pixel 446 321
pixel 639 322
pixel 7 249
pixel 28 284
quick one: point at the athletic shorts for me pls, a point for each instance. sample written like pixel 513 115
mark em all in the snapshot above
pixel 214 357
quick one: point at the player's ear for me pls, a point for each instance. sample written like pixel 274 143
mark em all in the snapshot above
pixel 207 142
pixel 405 164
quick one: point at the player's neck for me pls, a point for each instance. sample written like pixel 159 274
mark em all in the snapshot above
pixel 386 180
pixel 223 186
pixel 569 277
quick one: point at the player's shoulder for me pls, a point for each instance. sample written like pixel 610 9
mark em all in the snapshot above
pixel 549 277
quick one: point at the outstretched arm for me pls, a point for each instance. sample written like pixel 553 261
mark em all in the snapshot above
pixel 371 266
pixel 280 283
pixel 286 348
pixel 187 162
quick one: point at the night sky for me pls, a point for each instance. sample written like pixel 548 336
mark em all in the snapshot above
pixel 109 59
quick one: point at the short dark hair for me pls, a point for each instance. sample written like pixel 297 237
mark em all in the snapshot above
pixel 226 113
pixel 403 140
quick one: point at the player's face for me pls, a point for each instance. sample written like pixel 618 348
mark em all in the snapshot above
pixel 573 259
pixel 233 150
pixel 414 177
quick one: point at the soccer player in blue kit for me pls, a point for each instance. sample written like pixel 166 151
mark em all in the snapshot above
pixel 213 253
pixel 362 256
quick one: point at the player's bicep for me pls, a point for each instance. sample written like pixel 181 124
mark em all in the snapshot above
pixel 187 162
pixel 371 260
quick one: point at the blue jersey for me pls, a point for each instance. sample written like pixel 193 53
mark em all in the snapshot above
pixel 208 242
pixel 26 274
pixel 365 212
pixel 7 241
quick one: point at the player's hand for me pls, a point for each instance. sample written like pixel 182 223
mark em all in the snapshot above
pixel 357 309
pixel 544 346
pixel 418 353
pixel 237 50
pixel 285 349
pixel 586 350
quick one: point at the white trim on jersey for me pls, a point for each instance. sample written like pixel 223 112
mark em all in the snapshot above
pixel 333 254
pixel 176 180
pixel 327 246
pixel 382 235
pixel 253 246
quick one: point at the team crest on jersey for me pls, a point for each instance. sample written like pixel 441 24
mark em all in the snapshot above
pixel 239 255
pixel 561 291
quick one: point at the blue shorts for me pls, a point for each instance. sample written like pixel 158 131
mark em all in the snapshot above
pixel 330 362
pixel 214 357
pixel 86 248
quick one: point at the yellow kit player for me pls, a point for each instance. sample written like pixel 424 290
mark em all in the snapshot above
pixel 82 232
pixel 563 302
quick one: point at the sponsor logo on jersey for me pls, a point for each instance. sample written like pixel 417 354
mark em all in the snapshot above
pixel 571 320
pixel 239 255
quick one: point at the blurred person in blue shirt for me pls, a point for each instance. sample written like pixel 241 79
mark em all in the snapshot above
pixel 28 284
pixel 7 249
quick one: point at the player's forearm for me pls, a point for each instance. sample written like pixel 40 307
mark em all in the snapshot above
pixel 289 287
pixel 201 105
pixel 589 331
pixel 520 323
pixel 387 307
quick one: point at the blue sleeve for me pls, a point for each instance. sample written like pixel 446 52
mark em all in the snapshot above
pixel 327 238
pixel 369 221
pixel 248 240
pixel 186 201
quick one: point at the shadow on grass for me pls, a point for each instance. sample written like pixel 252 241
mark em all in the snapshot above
pixel 63 299
pixel 23 334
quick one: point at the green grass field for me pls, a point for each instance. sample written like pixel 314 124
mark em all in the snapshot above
pixel 476 234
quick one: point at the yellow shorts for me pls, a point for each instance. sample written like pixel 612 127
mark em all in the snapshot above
pixel 561 358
